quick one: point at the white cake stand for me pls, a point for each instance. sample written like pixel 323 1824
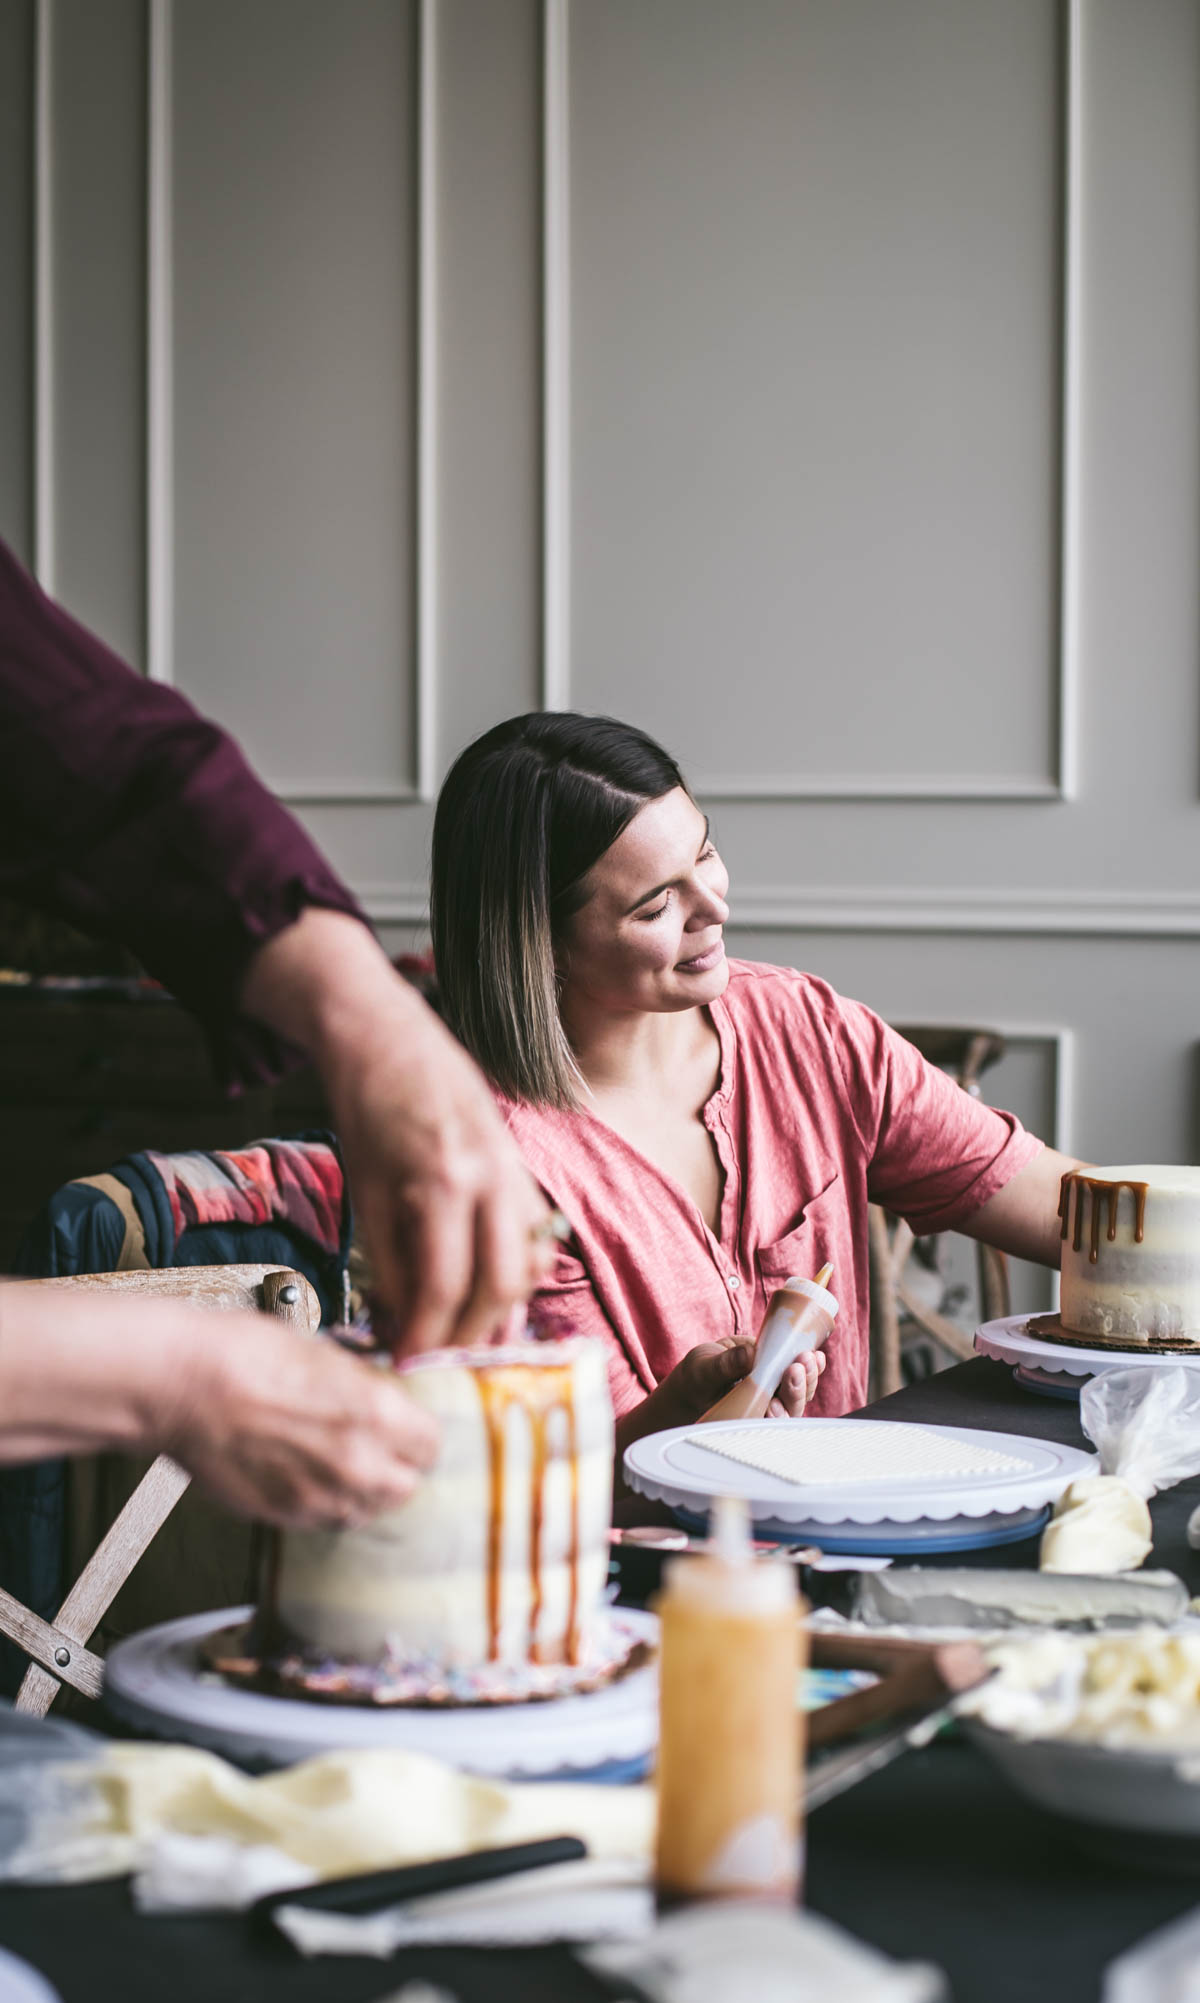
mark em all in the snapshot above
pixel 903 1516
pixel 1058 1368
pixel 159 1683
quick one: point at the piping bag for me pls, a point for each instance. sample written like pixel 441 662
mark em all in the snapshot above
pixel 1146 1425
pixel 799 1318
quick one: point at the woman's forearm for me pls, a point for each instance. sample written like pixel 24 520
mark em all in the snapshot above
pixel 1023 1217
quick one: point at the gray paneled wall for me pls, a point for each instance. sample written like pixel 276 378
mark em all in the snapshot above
pixel 814 381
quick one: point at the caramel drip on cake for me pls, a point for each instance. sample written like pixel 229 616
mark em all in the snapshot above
pixel 573 1561
pixel 1102 1194
pixel 538 1390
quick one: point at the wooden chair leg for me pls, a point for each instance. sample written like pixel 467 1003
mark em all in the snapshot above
pixel 95 1589
pixel 885 1310
pixel 995 1296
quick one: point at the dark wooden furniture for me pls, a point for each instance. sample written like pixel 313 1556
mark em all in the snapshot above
pixel 86 1079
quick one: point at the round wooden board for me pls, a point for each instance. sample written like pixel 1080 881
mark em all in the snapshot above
pixel 1049 1328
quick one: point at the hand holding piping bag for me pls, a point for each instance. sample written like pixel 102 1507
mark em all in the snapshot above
pixel 799 1318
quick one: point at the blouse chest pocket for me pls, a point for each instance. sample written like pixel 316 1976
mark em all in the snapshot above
pixel 810 1242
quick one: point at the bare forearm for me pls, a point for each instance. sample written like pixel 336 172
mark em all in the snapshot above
pixel 274 1423
pixel 78 1374
pixel 1023 1218
pixel 322 983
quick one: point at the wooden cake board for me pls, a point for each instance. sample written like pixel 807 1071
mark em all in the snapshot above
pixel 1049 1328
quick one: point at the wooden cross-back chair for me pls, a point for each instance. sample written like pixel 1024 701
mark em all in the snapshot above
pixel 58 1648
pixel 899 1316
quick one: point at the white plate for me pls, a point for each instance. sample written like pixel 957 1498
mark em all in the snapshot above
pixel 677 1468
pixel 21 1983
pixel 157 1683
pixel 1008 1341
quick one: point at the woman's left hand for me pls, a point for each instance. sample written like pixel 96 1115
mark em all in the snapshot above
pixel 797 1386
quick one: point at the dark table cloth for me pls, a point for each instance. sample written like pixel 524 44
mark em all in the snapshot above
pixel 934 1858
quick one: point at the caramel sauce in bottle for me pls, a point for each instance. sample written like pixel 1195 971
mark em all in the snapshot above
pixel 731 1732
pixel 1103 1195
pixel 538 1391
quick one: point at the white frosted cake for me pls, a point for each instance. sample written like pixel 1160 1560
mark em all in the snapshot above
pixel 1131 1255
pixel 501 1555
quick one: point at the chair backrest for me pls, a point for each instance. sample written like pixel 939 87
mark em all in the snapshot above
pixel 58 1648
pixel 269 1289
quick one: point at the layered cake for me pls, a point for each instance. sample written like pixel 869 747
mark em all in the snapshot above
pixel 1131 1255
pixel 499 1560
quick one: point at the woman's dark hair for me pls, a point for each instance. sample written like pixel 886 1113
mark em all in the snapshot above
pixel 524 814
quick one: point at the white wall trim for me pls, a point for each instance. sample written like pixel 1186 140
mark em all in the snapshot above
pixel 556 357
pixel 426 556
pixel 850 786
pixel 556 468
pixel 1032 913
pixel 44 552
pixel 933 908
pixel 1070 564
pixel 160 340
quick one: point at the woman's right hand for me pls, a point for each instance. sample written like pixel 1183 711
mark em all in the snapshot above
pixel 291 1430
pixel 705 1374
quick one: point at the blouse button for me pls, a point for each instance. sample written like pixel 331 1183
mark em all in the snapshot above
pixel 734 1283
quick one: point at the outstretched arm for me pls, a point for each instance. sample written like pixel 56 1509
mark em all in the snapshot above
pixel 1022 1218
pixel 275 1424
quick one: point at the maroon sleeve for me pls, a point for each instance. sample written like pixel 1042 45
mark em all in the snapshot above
pixel 125 812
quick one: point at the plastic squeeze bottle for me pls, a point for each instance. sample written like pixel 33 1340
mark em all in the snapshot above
pixel 731 1734
pixel 800 1317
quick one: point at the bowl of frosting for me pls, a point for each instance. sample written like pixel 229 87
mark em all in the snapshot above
pixel 1104 1731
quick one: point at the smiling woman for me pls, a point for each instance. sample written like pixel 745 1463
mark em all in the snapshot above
pixel 710 1127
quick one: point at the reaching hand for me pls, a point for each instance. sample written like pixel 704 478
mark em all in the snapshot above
pixel 277 1424
pixel 452 1220
pixel 290 1429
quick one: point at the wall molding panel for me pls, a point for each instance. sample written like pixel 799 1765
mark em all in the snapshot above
pixel 556 356
pixel 160 453
pixel 1031 913
pixel 1058 784
pixel 308 788
pixel 44 384
pixel 426 565
pixel 1070 554
pixel 314 791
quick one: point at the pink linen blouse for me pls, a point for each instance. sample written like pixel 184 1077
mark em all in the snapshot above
pixel 819 1109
